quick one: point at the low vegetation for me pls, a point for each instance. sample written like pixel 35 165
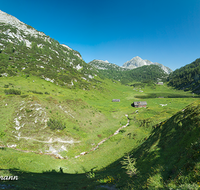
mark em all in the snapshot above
pixel 55 124
pixel 160 132
pixel 12 91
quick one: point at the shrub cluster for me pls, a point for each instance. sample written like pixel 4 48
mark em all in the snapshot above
pixel 12 91
pixel 6 86
pixel 35 92
pixel 56 124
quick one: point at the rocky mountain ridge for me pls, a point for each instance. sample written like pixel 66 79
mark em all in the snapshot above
pixel 25 29
pixel 139 62
pixel 24 50
pixel 105 65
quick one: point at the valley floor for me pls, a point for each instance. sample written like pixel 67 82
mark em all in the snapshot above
pixel 163 138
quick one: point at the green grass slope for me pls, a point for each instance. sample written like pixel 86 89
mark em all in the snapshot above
pixel 86 118
pixel 170 158
pixel 48 116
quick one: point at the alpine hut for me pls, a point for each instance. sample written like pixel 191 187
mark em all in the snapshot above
pixel 116 100
pixel 140 104
pixel 159 83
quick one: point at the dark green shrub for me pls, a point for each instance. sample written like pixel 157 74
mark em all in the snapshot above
pixel 122 131
pixel 76 128
pixel 6 86
pixel 55 124
pixel 2 134
pixel 24 96
pixel 12 91
pixel 47 93
pixel 27 110
pixel 35 92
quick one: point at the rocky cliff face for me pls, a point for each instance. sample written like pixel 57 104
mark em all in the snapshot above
pixel 7 19
pixel 139 62
pixel 25 50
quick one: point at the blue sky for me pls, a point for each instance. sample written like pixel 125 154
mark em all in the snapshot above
pixel 167 32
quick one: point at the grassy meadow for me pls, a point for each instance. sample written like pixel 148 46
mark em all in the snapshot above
pixel 81 119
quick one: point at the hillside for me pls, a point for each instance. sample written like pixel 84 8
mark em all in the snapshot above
pixel 169 157
pixel 147 73
pixel 187 77
pixel 25 51
pixel 109 70
pixel 114 72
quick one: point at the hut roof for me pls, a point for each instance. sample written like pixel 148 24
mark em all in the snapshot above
pixel 143 103
pixel 116 100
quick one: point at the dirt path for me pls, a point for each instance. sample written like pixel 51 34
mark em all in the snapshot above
pixel 94 148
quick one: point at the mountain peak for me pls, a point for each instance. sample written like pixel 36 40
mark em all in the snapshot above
pixel 137 61
pixel 137 57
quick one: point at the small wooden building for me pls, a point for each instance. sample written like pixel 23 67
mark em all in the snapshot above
pixel 140 104
pixel 159 83
pixel 116 100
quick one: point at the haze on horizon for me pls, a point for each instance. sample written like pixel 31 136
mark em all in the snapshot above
pixel 166 32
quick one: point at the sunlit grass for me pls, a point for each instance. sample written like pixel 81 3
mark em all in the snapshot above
pixel 95 117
